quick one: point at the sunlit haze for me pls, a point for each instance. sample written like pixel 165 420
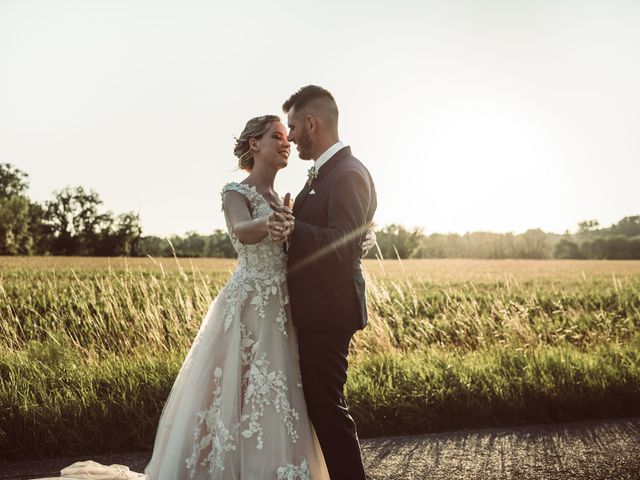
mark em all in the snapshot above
pixel 470 115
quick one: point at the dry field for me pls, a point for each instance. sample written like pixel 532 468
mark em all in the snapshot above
pixel 435 270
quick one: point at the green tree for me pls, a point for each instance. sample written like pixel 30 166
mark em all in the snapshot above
pixel 153 246
pixel 612 248
pixel 12 181
pixel 565 249
pixel 219 245
pixel 77 226
pixel 41 233
pixel 21 230
pixel 121 237
pixel 628 226
pixel 588 226
pixel 432 246
pixel 533 244
pixel 128 232
pixel 395 241
pixel 192 245
pixel 15 234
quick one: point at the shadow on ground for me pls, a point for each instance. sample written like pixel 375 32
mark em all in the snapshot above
pixel 595 450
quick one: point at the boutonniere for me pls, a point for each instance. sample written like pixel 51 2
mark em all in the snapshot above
pixel 312 174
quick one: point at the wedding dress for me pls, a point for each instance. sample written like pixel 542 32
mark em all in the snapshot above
pixel 236 409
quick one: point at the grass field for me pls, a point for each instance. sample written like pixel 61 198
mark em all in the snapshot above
pixel 89 347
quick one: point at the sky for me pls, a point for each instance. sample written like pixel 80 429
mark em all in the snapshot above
pixel 470 115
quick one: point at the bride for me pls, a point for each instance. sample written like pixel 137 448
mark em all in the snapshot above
pixel 236 409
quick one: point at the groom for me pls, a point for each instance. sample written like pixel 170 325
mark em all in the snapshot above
pixel 326 287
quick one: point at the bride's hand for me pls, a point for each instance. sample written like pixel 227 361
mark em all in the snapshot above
pixel 279 226
pixel 283 214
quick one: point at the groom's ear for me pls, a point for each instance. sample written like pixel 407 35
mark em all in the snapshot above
pixel 311 123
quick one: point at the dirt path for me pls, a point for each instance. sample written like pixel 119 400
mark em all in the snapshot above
pixel 592 450
pixel 586 450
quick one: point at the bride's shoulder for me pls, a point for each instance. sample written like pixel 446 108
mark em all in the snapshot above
pixel 234 186
pixel 231 186
pixel 242 188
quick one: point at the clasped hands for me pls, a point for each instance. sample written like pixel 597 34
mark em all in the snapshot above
pixel 281 222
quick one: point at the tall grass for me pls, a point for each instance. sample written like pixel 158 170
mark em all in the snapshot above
pixel 124 310
pixel 408 315
pixel 115 311
pixel 88 355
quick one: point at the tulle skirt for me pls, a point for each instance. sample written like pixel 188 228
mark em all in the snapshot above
pixel 236 409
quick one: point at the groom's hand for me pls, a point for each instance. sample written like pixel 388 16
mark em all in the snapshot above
pixel 283 216
pixel 368 242
pixel 288 201
pixel 281 209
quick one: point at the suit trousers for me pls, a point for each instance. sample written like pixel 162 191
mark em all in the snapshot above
pixel 323 367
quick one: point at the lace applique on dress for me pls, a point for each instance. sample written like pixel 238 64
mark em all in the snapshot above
pixel 266 388
pixel 219 438
pixel 261 271
pixel 294 472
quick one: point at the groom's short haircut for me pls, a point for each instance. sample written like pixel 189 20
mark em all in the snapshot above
pixel 315 97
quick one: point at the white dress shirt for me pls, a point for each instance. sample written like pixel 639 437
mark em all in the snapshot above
pixel 327 154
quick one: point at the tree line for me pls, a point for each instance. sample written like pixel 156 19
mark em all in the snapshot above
pixel 620 241
pixel 73 222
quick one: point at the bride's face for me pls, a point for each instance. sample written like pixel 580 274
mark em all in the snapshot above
pixel 273 147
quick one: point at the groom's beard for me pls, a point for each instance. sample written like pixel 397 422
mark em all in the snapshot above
pixel 305 146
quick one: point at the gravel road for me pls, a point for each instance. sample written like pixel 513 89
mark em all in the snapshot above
pixel 594 450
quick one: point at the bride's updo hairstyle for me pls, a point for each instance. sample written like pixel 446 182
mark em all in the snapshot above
pixel 255 128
